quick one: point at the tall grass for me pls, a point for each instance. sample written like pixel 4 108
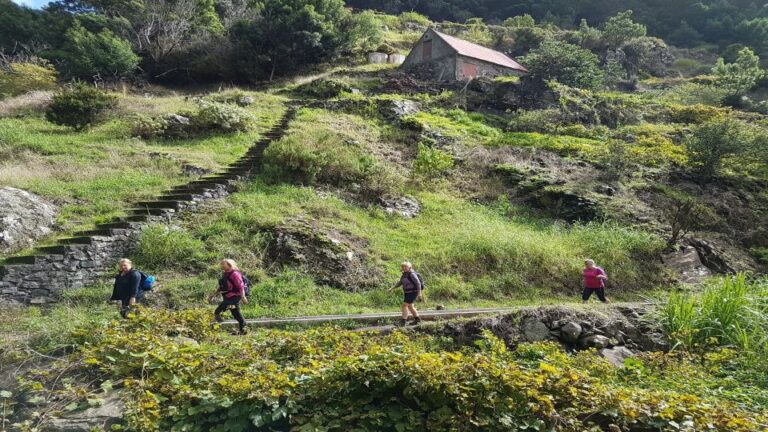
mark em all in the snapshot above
pixel 731 311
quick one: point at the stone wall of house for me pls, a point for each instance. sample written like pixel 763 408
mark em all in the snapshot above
pixel 484 69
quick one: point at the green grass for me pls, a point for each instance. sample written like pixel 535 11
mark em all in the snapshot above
pixel 468 253
pixel 96 174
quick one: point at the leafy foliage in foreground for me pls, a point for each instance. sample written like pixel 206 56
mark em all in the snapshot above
pixel 333 380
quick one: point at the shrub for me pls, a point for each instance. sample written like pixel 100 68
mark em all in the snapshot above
pixel 79 106
pixel 740 76
pixel 323 159
pixel 685 214
pixel 432 162
pixel 290 160
pixel 546 121
pixel 713 141
pixel 695 114
pixel 20 78
pixel 324 88
pixel 216 116
pixel 163 126
pixel 101 54
pixel 413 18
pixel 161 247
pixel 565 63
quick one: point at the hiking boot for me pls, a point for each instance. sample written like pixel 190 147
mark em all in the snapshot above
pixel 403 322
pixel 243 331
pixel 416 321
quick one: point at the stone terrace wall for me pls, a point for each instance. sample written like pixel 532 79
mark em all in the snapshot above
pixel 91 255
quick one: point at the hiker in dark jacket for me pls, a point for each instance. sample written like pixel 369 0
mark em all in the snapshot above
pixel 126 286
pixel 232 289
pixel 411 284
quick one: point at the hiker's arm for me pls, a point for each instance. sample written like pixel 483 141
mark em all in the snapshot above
pixel 397 285
pixel 603 275
pixel 135 282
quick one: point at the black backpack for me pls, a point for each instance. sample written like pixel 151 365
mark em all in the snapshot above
pixel 246 284
pixel 418 278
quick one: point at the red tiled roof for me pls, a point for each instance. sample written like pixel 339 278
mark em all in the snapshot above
pixel 475 51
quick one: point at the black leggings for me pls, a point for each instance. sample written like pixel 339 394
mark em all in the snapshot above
pixel 233 304
pixel 599 291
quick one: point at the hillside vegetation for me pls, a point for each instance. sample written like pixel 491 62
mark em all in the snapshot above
pixel 647 155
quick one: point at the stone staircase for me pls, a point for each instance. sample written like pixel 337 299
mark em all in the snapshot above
pixel 87 256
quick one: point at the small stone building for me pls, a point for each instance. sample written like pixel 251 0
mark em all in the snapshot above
pixel 448 58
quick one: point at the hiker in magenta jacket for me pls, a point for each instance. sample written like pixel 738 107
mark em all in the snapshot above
pixel 412 286
pixel 594 281
pixel 232 289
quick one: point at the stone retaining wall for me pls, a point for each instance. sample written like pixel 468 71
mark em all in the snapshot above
pixel 91 255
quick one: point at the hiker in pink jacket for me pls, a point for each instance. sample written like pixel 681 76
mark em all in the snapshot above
pixel 594 281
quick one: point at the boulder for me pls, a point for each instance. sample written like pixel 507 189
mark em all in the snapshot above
pixel 711 256
pixel 245 101
pixel 595 341
pixel 400 108
pixel 24 218
pixel 101 417
pixel 685 261
pixel 616 355
pixel 534 330
pixel 332 258
pixel 570 332
pixel 649 341
pixel 407 207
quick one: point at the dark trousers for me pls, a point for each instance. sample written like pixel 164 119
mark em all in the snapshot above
pixel 233 304
pixel 599 291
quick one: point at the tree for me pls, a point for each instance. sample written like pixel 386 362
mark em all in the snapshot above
pixel 620 28
pixel 684 214
pixel 739 77
pixel 647 54
pixel 713 141
pixel 520 21
pixel 293 33
pixel 566 63
pixel 97 54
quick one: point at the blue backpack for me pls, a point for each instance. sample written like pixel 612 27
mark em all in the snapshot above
pixel 147 282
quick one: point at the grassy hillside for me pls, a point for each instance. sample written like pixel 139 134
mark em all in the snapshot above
pixel 496 190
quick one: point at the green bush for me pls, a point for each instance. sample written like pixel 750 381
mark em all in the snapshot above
pixel 545 121
pixel 222 117
pixel 162 126
pixel 714 141
pixel 431 162
pixel 326 159
pixel 161 247
pixel 324 88
pixel 79 106
pixel 413 18
pixel 19 78
pixel 290 160
pixel 565 63
pixel 101 54
pixel 695 114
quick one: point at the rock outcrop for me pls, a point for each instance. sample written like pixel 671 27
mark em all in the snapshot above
pixel 616 332
pixel 102 417
pixel 24 218
pixel 330 257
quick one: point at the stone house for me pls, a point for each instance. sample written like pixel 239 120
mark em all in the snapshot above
pixel 448 58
